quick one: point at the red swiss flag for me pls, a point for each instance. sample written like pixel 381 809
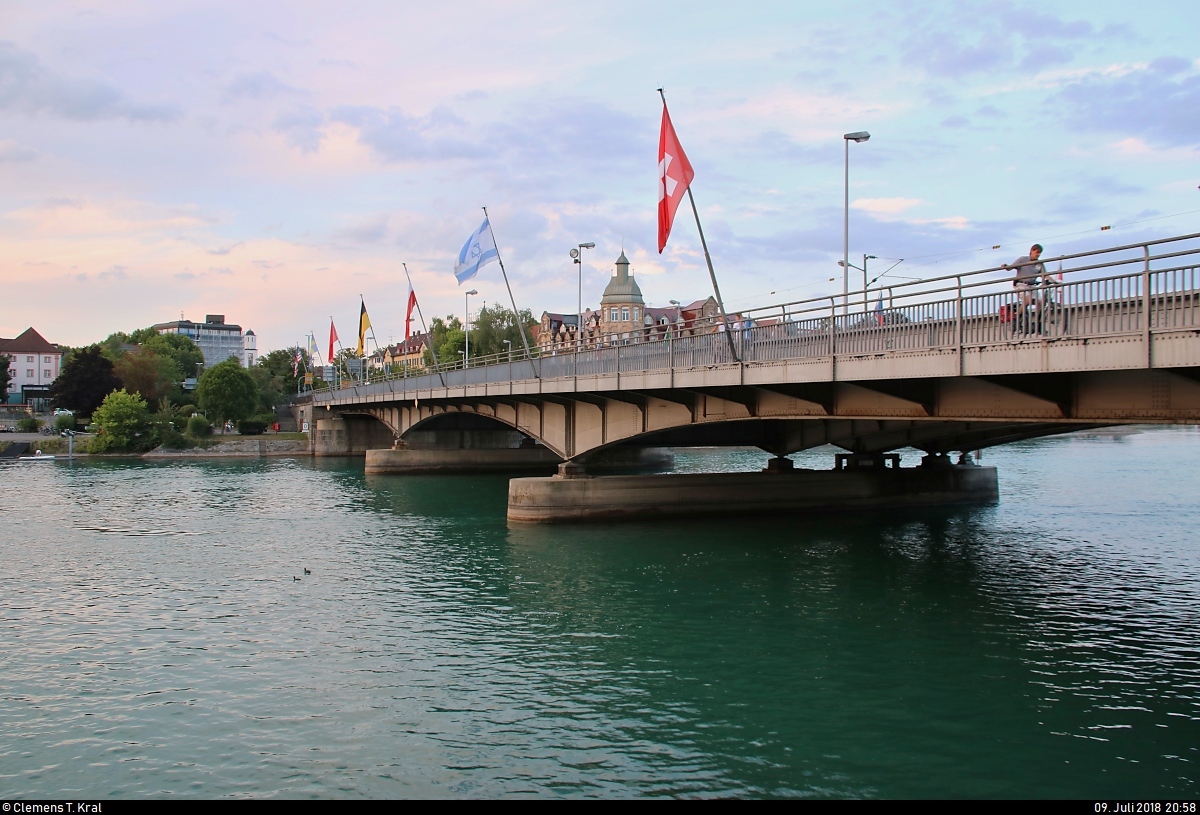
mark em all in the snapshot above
pixel 412 301
pixel 674 176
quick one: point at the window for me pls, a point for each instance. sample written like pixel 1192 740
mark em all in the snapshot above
pixel 612 315
pixel 46 373
pixel 636 316
pixel 29 359
pixel 625 315
pixel 45 359
pixel 29 372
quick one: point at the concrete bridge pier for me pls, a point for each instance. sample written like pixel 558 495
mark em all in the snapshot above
pixel 463 451
pixel 348 435
pixel 857 482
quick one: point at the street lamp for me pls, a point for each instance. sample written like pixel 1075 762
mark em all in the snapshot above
pixel 576 255
pixel 856 137
pixel 467 325
pixel 509 344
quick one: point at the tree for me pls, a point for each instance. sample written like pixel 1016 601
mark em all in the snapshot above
pixel 446 337
pixel 493 326
pixel 124 423
pixel 278 365
pixel 185 353
pixel 5 377
pixel 147 374
pixel 85 379
pixel 227 392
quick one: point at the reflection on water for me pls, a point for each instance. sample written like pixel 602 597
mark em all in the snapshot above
pixel 156 642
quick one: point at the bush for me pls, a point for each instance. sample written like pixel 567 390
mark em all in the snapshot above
pixel 124 424
pixel 199 427
pixel 251 427
pixel 28 424
pixel 185 411
pixel 64 422
pixel 172 439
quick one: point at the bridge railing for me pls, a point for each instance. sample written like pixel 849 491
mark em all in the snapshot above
pixel 1136 288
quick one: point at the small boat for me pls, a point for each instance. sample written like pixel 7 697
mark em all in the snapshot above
pixel 39 456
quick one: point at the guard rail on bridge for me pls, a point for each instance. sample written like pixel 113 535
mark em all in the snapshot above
pixel 1136 289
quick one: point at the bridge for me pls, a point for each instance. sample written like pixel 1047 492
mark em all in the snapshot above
pixel 949 364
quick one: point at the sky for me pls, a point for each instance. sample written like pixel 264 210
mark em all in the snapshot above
pixel 273 161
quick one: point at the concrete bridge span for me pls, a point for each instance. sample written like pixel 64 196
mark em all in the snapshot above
pixel 956 364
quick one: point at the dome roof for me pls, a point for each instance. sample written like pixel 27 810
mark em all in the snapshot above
pixel 622 288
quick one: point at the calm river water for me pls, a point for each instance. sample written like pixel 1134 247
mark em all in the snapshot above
pixel 153 641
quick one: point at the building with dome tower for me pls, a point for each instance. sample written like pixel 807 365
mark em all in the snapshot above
pixel 622 308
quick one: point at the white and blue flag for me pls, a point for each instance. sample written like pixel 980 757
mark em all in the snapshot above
pixel 479 250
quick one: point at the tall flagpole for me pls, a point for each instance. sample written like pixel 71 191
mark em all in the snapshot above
pixel 340 349
pixel 437 367
pixel 516 314
pixel 708 259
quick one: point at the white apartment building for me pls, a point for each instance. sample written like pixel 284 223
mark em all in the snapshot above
pixel 33 364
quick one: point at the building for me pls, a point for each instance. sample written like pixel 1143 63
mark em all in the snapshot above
pixel 33 364
pixel 249 348
pixel 401 356
pixel 216 339
pixel 621 307
pixel 624 319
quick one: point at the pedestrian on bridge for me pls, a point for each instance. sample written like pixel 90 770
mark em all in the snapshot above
pixel 1030 274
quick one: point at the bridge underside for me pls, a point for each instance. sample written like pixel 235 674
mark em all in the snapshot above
pixel 936 414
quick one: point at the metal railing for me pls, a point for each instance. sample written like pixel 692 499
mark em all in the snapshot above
pixel 1132 289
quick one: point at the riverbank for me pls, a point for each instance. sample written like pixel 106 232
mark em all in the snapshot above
pixel 233 447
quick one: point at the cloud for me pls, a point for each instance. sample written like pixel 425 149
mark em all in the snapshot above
pixel 1153 104
pixel 956 121
pixel 974 39
pixel 398 136
pixel 302 127
pixel 27 86
pixel 373 230
pixel 884 206
pixel 257 86
pixel 13 153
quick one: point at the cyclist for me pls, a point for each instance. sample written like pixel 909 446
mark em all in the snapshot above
pixel 1030 274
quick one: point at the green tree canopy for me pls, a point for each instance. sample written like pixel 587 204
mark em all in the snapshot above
pixel 180 349
pixel 278 364
pixel 124 423
pixel 447 338
pixel 495 324
pixel 85 379
pixel 146 373
pixel 227 392
pixel 5 377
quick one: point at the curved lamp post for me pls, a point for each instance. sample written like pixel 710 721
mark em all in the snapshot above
pixel 857 137
pixel 577 256
pixel 467 325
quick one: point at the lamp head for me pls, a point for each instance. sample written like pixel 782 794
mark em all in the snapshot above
pixel 587 246
pixel 472 291
pixel 857 136
pixel 842 263
pixel 575 254
pixel 870 257
pixel 673 302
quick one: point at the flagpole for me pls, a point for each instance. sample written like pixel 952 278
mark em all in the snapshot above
pixel 516 313
pixel 708 259
pixel 340 346
pixel 432 353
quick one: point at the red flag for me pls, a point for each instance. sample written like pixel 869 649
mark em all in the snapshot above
pixel 674 176
pixel 412 301
pixel 333 337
